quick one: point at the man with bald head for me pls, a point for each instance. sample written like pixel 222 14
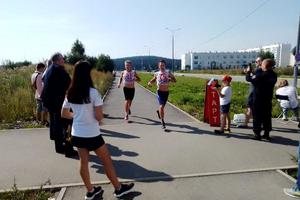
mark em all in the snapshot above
pixel 258 63
pixel 263 84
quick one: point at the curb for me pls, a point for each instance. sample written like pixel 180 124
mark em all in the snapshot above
pixel 286 175
pixel 161 178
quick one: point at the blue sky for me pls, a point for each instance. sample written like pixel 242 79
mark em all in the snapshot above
pixel 34 30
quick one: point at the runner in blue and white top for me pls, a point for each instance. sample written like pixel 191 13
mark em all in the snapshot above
pixel 163 78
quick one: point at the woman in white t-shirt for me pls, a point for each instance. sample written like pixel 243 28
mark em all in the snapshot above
pixel 86 105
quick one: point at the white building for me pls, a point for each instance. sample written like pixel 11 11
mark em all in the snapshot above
pixel 282 53
pixel 238 59
pixel 216 60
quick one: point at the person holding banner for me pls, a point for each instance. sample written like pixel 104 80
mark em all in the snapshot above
pixel 163 77
pixel 225 98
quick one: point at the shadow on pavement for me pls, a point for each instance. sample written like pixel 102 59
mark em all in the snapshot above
pixel 131 170
pixel 108 133
pixel 286 130
pixel 117 152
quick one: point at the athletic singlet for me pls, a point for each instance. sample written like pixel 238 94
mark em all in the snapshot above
pixel 162 78
pixel 128 77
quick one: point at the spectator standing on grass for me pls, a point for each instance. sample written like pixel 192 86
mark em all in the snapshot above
pixel 291 92
pixel 225 99
pixel 56 83
pixel 37 85
pixel 263 84
pixel 86 104
pixel 128 78
pixel 258 63
pixel 163 78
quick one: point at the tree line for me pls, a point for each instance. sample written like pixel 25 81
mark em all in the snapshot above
pixel 101 63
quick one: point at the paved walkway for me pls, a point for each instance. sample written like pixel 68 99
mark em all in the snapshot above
pixel 164 165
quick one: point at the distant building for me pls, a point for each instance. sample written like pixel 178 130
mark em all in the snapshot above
pixel 237 59
pixel 216 60
pixel 282 53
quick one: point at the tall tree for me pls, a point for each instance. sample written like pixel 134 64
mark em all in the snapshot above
pixel 77 53
pixel 266 54
pixel 105 63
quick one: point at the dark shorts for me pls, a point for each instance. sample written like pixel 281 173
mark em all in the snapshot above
pixel 39 106
pixel 90 144
pixel 162 97
pixel 129 93
pixel 225 108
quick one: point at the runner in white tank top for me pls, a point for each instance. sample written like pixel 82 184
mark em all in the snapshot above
pixel 128 78
pixel 163 78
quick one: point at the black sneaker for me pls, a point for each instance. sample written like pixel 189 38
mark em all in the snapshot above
pixel 219 132
pixel 266 137
pixel 125 189
pixel 129 112
pixel 158 115
pixel 91 195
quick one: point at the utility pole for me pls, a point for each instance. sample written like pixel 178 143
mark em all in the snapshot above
pixel 173 32
pixel 297 57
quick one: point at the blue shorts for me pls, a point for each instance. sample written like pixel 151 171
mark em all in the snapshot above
pixel 162 97
pixel 225 108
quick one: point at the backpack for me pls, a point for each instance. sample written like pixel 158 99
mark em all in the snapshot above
pixel 33 84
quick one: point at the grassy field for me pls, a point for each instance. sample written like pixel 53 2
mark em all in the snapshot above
pixel 189 93
pixel 281 71
pixel 17 103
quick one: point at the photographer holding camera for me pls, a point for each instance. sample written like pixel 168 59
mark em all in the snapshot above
pixel 263 84
pixel 248 114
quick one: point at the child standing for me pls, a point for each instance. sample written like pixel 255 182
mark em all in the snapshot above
pixel 225 98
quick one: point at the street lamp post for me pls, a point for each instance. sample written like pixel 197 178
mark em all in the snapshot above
pixel 297 55
pixel 173 32
pixel 149 50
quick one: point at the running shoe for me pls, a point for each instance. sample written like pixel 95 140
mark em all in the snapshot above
pixel 219 131
pixel 91 195
pixel 125 189
pixel 292 192
pixel 126 117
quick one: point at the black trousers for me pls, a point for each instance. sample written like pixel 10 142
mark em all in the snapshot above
pixel 56 130
pixel 262 117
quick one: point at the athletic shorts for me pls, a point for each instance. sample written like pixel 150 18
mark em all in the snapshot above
pixel 162 97
pixel 225 108
pixel 91 144
pixel 128 93
pixel 39 106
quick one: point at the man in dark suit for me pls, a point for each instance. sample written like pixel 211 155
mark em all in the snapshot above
pixel 56 83
pixel 263 82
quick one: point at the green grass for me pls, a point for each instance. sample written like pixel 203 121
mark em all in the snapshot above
pixel 189 93
pixel 281 71
pixel 17 103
